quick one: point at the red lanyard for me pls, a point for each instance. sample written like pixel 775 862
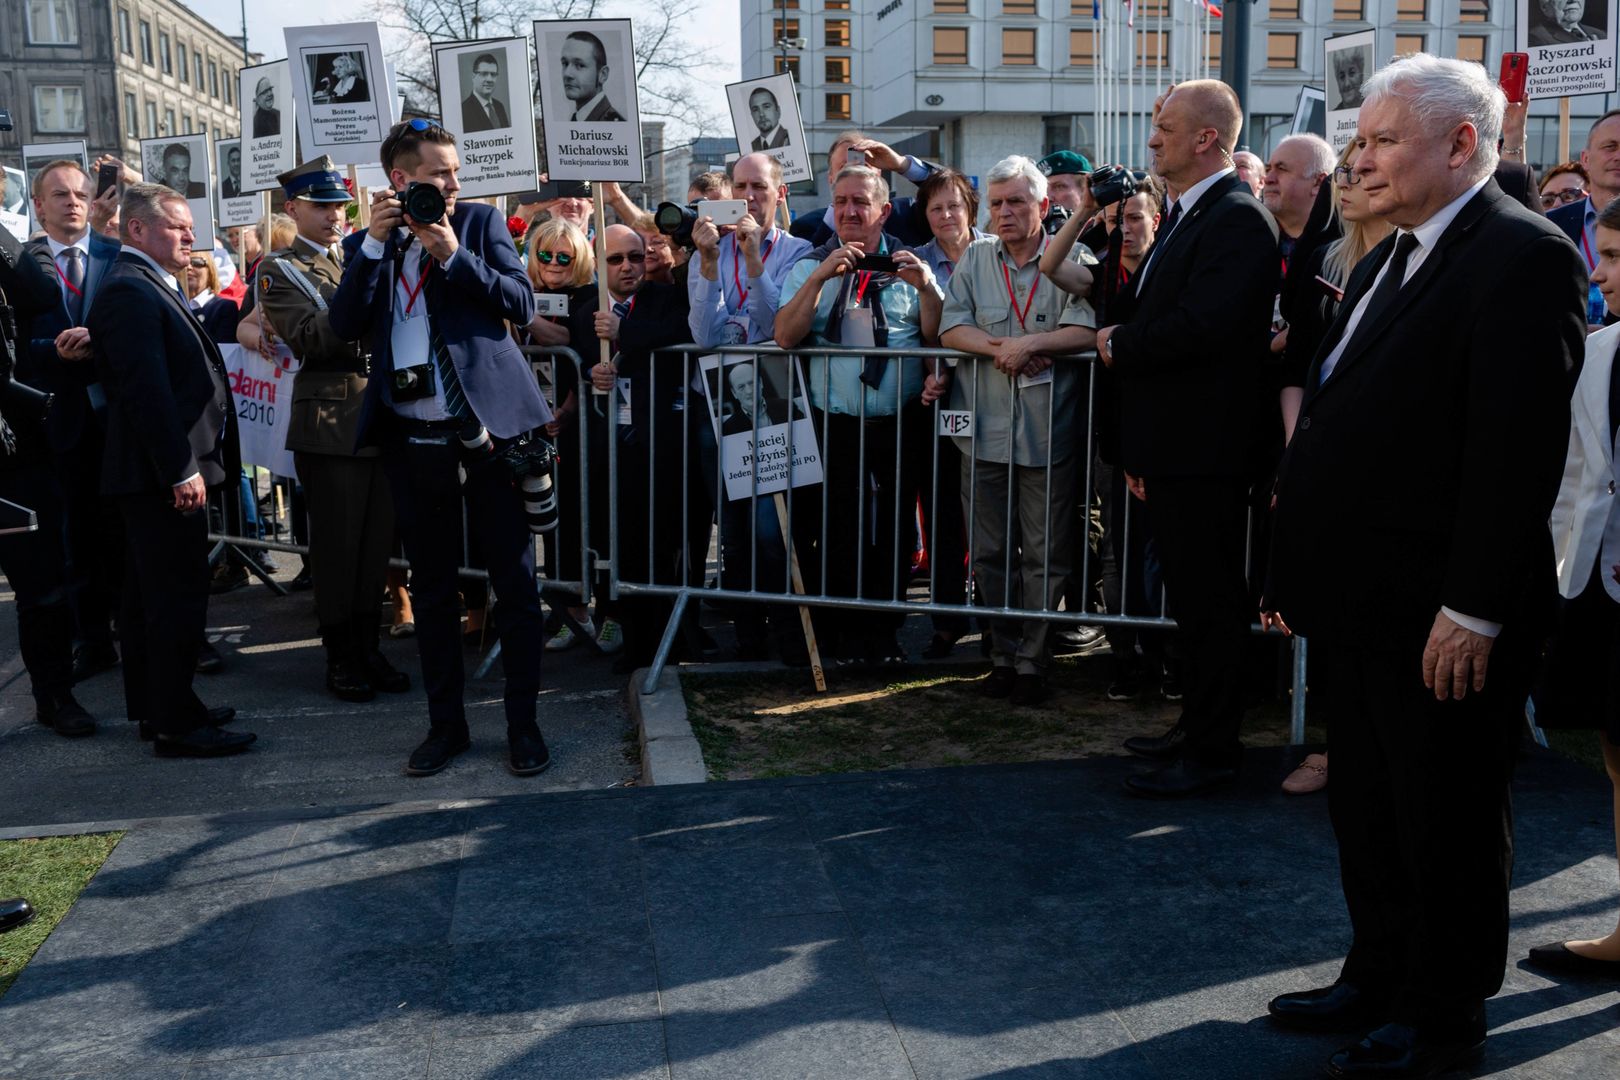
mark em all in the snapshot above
pixel 410 293
pixel 1006 276
pixel 862 280
pixel 65 282
pixel 737 258
pixel 1586 252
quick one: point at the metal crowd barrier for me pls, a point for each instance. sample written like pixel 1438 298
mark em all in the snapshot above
pixel 681 362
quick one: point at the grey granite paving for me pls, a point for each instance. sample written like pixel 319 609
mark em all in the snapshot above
pixel 1015 923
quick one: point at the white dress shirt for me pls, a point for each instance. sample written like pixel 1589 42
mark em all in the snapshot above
pixel 410 278
pixel 1428 235
pixel 585 110
pixel 1188 200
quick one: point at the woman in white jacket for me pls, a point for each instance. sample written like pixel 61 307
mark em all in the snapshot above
pixel 1580 686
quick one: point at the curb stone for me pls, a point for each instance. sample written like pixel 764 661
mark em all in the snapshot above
pixel 669 751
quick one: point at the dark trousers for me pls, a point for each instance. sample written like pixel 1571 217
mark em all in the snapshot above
pixel 1125 572
pixel 1420 806
pixel 165 611
pixel 428 500
pixel 34 566
pixel 95 539
pixel 351 521
pixel 1199 525
pixel 944 524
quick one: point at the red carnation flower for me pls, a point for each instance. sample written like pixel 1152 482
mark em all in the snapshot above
pixel 517 227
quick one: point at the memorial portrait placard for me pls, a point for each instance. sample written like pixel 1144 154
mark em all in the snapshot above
pixel 592 118
pixel 235 208
pixel 765 115
pixel 485 100
pixel 754 458
pixel 269 140
pixel 181 162
pixel 1310 112
pixel 340 82
pixel 1350 63
pixel 1571 45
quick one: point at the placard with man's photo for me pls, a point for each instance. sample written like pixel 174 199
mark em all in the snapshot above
pixel 341 86
pixel 14 202
pixel 1350 63
pixel 1571 46
pixel 752 412
pixel 235 208
pixel 35 156
pixel 485 101
pixel 181 162
pixel 592 118
pixel 268 144
pixel 765 115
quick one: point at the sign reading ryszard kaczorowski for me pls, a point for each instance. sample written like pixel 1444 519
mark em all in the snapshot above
pixel 1571 45
pixel 486 102
pixel 269 146
pixel 588 101
pixel 345 104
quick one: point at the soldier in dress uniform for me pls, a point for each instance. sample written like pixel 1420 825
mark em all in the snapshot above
pixel 351 515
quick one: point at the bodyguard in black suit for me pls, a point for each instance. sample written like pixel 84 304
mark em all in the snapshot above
pixel 1411 547
pixel 432 300
pixel 1188 370
pixel 167 401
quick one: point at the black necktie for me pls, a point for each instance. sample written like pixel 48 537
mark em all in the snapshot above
pixel 74 276
pixel 1164 234
pixel 1384 295
pixel 455 398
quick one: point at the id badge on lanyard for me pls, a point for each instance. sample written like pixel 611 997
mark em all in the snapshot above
pixel 409 341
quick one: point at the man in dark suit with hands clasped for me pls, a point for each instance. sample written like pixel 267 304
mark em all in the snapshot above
pixel 1411 547
pixel 1187 366
pixel 167 401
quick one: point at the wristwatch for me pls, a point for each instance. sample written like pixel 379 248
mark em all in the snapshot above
pixel 1108 347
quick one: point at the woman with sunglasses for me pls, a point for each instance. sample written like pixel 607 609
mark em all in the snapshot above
pixel 561 264
pixel 217 314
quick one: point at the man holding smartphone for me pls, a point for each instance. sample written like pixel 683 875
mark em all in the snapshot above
pixel 860 288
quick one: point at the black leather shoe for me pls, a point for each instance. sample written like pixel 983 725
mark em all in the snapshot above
pixel 209 662
pixel 1000 683
pixel 91 659
pixel 220 715
pixel 302 582
pixel 527 753
pixel 66 717
pixel 1340 1007
pixel 435 752
pixel 1166 747
pixel 1396 1052
pixel 347 681
pixel 383 675
pixel 203 742
pixel 1558 957
pixel 1028 690
pixel 14 913
pixel 941 646
pixel 1181 779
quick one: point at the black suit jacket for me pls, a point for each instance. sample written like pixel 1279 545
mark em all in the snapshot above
pixel 1188 363
pixel 474 118
pixel 167 398
pixel 1571 217
pixel 658 320
pixel 70 381
pixel 1422 471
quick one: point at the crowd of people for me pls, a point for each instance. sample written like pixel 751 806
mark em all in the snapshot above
pixel 1311 404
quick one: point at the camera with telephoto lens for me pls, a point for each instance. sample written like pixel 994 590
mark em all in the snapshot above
pixel 529 461
pixel 677 222
pixel 1055 219
pixel 423 202
pixel 1111 184
pixel 413 383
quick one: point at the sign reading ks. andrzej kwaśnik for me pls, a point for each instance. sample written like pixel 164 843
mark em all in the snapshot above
pixel 588 99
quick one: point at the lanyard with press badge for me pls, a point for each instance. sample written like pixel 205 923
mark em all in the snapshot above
pixel 1006 276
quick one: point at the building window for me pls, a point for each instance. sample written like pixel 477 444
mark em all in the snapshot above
pixel 950 7
pixel 230 82
pixel 1349 10
pixel 838 106
pixel 1282 51
pixel 169 127
pixel 185 64
pixel 132 117
pixel 1152 47
pixel 950 45
pixel 52 22
pixel 185 123
pixel 838 69
pixel 126 40
pixel 1018 7
pixel 1212 52
pixel 201 86
pixel 151 120
pixel 1471 47
pixel 1285 9
pixel 836 5
pixel 787 63
pixel 1411 10
pixel 146 43
pixel 838 33
pixel 165 53
pixel 1082 48
pixel 213 79
pixel 1475 11
pixel 787 28
pixel 1018 46
pixel 1406 44
pixel 59 108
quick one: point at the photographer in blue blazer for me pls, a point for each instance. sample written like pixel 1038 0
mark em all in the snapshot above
pixel 431 287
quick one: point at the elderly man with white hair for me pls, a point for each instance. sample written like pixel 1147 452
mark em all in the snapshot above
pixel 1411 547
pixel 1024 463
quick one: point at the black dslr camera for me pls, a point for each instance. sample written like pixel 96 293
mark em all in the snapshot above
pixel 1055 219
pixel 677 222
pixel 423 202
pixel 413 383
pixel 1111 184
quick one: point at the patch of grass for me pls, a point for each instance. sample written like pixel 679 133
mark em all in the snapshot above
pixel 50 872
pixel 764 725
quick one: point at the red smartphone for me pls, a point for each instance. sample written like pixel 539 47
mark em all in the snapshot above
pixel 1515 66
